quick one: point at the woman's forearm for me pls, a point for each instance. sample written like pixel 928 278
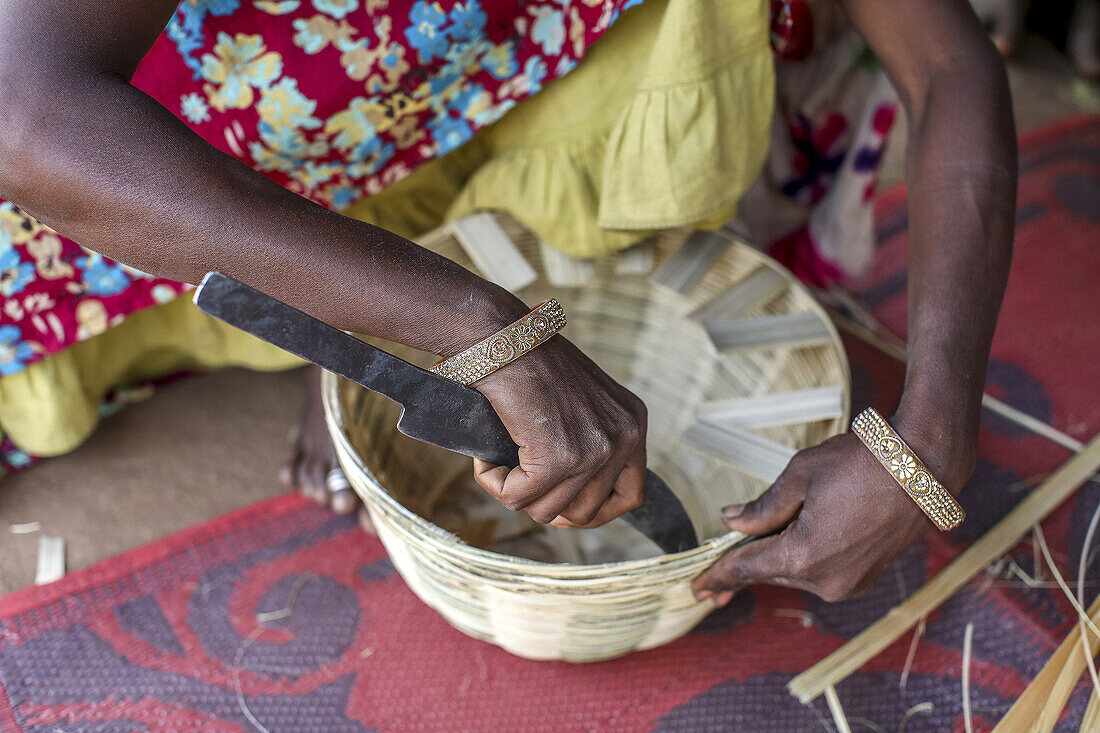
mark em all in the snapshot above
pixel 104 164
pixel 961 176
pixel 962 194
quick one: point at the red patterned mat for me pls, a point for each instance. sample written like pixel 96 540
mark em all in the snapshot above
pixel 188 633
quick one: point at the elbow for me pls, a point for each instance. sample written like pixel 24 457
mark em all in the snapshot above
pixel 971 74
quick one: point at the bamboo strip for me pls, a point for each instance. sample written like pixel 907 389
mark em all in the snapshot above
pixel 758 289
pixel 836 710
pixel 788 330
pixel 1082 567
pixel 685 268
pixel 51 559
pixel 636 260
pixel 753 453
pixel 994 543
pixel 779 408
pixel 25 528
pixel 1024 420
pixel 1033 424
pixel 968 640
pixel 493 252
pixel 563 270
pixel 1038 708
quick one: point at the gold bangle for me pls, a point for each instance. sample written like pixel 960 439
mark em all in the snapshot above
pixel 908 470
pixel 504 346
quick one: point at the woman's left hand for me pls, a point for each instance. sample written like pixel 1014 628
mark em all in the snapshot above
pixel 840 520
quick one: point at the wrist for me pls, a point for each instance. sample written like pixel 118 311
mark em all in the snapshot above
pixel 481 314
pixel 941 433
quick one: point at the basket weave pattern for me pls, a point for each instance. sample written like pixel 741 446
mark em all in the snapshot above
pixel 642 335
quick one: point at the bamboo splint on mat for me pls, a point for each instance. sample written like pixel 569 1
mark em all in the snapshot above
pixel 994 543
pixel 1038 708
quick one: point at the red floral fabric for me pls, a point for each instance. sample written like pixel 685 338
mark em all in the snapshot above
pixel 334 99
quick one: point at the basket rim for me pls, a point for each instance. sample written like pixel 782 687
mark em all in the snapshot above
pixel 714 546
pixel 334 414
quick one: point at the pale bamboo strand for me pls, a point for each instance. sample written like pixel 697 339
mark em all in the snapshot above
pixel 968 641
pixel 904 679
pixel 837 711
pixel 1038 707
pixel 924 707
pixel 1061 581
pixel 1082 565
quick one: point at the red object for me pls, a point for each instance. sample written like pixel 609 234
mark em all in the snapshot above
pixel 167 637
pixel 792 29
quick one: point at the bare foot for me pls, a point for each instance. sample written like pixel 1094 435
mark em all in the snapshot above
pixel 312 465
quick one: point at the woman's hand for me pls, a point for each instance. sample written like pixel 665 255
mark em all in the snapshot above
pixel 840 520
pixel 581 439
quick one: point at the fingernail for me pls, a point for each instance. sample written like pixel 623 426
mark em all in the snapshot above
pixel 723 598
pixel 702 595
pixel 733 511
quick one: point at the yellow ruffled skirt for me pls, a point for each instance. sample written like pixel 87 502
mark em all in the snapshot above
pixel 664 124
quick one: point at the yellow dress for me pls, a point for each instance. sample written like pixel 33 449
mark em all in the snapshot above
pixel 665 123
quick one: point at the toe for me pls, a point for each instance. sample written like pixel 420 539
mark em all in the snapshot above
pixel 343 501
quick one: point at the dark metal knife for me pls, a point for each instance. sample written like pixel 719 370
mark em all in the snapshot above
pixel 435 410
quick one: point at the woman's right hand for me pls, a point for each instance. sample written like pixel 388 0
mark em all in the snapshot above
pixel 581 439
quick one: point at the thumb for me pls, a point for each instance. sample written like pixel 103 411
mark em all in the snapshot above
pixel 772 510
pixel 758 561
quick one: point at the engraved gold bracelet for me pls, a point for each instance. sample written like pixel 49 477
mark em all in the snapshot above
pixel 908 470
pixel 504 346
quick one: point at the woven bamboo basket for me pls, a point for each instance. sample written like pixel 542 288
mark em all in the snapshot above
pixel 649 336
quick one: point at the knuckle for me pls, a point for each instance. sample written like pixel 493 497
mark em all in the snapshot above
pixel 514 503
pixel 602 442
pixel 631 434
pixel 570 456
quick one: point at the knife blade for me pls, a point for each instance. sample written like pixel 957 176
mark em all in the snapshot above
pixel 434 409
